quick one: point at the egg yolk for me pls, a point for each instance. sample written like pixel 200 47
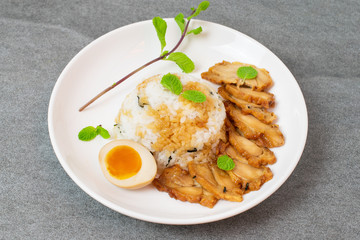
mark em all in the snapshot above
pixel 123 162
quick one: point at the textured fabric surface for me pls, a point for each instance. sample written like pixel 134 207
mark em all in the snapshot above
pixel 319 41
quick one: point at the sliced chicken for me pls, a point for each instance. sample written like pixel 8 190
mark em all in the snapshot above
pixel 257 156
pixel 250 178
pixel 179 184
pixel 226 72
pixel 249 108
pixel 264 99
pixel 267 135
pixel 216 181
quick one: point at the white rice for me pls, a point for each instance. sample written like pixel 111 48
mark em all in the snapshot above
pixel 134 118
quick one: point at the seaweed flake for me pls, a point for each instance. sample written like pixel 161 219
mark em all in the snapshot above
pixel 168 161
pixel 192 150
pixel 139 103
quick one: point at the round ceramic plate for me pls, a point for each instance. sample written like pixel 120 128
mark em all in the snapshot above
pixel 112 56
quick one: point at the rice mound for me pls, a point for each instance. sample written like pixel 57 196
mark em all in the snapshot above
pixel 174 129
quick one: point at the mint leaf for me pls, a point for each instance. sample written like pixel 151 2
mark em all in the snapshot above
pixel 172 82
pixel 202 7
pixel 102 132
pixel 195 96
pixel 183 61
pixel 224 162
pixel 160 27
pixel 195 31
pixel 179 19
pixel 247 72
pixel 87 134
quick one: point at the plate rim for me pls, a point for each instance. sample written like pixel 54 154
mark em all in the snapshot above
pixel 124 211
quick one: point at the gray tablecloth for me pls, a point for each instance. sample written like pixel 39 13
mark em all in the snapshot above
pixel 318 40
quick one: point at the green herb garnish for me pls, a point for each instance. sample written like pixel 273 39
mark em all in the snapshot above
pixel 247 72
pixel 179 19
pixel 160 27
pixel 195 96
pixel 195 31
pixel 172 82
pixel 202 7
pixel 224 162
pixel 102 132
pixel 89 133
pixel 183 61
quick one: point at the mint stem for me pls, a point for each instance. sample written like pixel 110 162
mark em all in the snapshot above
pixel 140 68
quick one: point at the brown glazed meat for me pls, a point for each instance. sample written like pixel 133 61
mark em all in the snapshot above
pixel 179 184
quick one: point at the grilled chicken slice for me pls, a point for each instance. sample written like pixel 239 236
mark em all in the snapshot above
pixel 226 72
pixel 216 181
pixel 264 99
pixel 257 156
pixel 179 184
pixel 250 178
pixel 249 108
pixel 267 135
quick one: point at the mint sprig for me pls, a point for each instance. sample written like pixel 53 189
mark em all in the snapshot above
pixel 202 7
pixel 160 27
pixel 194 96
pixel 224 162
pixel 247 72
pixel 102 132
pixel 172 82
pixel 179 19
pixel 89 133
pixel 183 61
pixel 195 31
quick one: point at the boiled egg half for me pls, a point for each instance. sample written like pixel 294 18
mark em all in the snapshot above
pixel 127 164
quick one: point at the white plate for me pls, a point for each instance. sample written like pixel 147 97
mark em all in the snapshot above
pixel 115 54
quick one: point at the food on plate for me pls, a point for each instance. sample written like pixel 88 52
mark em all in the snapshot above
pixel 89 133
pixel 127 164
pixel 216 181
pixel 182 186
pixel 267 135
pixel 226 72
pixel 173 128
pixel 264 99
pixel 246 174
pixel 256 155
pixel 188 134
pixel 257 111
